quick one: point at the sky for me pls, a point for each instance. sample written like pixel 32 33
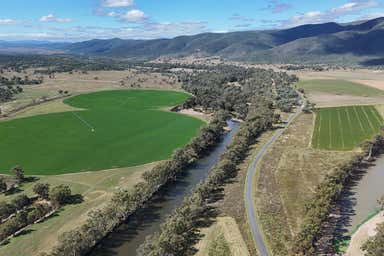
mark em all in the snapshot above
pixel 78 20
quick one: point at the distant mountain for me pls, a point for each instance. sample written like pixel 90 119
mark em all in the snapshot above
pixel 348 43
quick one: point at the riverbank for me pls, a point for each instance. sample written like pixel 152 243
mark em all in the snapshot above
pixel 367 230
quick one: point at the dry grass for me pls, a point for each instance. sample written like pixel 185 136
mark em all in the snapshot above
pixel 227 227
pixel 97 189
pixel 380 108
pixel 364 76
pixel 78 82
pixel 287 177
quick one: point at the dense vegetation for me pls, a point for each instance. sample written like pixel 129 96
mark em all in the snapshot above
pixel 235 89
pixel 307 241
pixel 49 64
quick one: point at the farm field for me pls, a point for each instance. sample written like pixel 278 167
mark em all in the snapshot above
pixel 344 128
pixel 339 87
pixel 116 129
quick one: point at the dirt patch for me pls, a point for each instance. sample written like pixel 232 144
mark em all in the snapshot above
pixel 373 83
pixel 197 114
pixel 362 234
pixel 332 100
pixel 231 232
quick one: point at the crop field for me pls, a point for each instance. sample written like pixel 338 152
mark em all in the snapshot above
pixel 339 87
pixel 344 128
pixel 115 129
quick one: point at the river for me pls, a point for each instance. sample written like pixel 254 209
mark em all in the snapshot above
pixel 364 194
pixel 368 190
pixel 130 235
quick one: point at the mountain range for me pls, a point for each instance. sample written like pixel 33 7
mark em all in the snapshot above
pixel 357 42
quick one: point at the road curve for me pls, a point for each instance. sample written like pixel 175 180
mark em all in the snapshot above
pixel 252 217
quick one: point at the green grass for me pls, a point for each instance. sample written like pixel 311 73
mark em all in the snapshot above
pixel 344 128
pixel 339 87
pixel 129 129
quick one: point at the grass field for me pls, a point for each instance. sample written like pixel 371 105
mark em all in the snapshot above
pixel 339 87
pixel 117 129
pixel 344 128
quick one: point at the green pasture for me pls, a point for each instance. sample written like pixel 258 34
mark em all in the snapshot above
pixel 116 129
pixel 344 128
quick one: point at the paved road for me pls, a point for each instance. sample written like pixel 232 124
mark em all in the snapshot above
pixel 252 220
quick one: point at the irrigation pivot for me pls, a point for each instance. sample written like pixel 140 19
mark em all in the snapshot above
pixel 84 121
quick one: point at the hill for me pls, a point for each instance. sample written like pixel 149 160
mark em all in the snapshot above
pixel 349 43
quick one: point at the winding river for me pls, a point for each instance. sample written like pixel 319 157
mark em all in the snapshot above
pixel 130 235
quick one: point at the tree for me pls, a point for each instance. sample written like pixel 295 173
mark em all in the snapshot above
pixel 42 190
pixel 60 194
pixel 381 202
pixel 19 173
pixel 375 245
pixel 20 201
pixel 3 185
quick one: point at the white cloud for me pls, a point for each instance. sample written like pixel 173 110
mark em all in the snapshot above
pixel 134 16
pixel 7 21
pixel 53 18
pixel 117 3
pixel 334 14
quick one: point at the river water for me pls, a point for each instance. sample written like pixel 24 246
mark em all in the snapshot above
pixel 365 192
pixel 130 235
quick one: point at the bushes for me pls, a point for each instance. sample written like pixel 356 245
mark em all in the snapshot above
pixel 22 219
pixel 375 245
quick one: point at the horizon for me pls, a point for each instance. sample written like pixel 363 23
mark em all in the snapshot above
pixel 43 20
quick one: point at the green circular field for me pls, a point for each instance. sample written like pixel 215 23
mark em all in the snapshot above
pixel 115 129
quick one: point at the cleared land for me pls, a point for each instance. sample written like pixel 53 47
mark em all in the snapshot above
pixel 339 87
pixel 286 179
pixel 96 188
pixel 117 129
pixel 344 128
pixel 335 92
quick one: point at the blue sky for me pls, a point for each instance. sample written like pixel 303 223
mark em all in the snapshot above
pixel 76 20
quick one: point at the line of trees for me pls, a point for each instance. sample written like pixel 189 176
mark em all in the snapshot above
pixel 180 230
pixel 327 194
pixel 23 211
pixel 125 203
